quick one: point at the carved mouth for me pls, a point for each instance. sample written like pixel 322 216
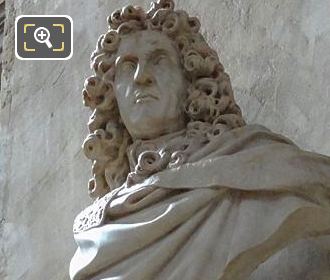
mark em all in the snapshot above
pixel 141 97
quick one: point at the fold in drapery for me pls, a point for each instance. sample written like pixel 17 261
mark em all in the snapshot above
pixel 226 214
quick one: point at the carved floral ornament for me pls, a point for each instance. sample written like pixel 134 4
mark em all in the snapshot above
pixel 210 108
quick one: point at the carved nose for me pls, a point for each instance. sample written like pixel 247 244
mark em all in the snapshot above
pixel 143 77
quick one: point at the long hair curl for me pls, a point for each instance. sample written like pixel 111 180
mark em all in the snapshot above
pixel 210 96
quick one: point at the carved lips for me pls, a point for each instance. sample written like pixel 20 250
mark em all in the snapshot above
pixel 144 96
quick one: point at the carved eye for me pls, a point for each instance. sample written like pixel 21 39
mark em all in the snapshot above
pixel 128 65
pixel 159 58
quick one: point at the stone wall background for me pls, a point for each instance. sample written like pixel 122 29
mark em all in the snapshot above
pixel 2 26
pixel 277 53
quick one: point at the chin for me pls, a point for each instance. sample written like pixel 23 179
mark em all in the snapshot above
pixel 148 110
pixel 148 127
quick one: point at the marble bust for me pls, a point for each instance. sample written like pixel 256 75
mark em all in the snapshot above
pixel 183 188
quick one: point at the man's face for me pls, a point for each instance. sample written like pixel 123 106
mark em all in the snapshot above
pixel 149 85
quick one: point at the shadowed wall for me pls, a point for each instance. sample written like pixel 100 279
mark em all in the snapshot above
pixel 277 54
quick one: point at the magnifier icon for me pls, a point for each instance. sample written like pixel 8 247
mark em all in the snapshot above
pixel 41 35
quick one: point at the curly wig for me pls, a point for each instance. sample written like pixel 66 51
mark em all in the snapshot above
pixel 210 96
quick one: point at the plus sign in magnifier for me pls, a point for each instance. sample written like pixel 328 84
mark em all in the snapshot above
pixel 41 35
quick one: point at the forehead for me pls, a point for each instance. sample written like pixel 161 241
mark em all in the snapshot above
pixel 143 42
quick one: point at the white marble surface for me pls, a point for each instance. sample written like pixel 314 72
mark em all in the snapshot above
pixel 275 52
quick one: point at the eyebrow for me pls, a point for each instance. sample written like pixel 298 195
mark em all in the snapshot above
pixel 149 55
pixel 156 52
pixel 159 51
pixel 124 57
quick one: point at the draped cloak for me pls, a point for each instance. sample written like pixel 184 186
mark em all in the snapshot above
pixel 250 204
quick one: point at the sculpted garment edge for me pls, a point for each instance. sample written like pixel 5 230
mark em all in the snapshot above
pixel 198 221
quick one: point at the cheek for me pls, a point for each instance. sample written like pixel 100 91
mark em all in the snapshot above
pixel 168 78
pixel 121 98
pixel 171 84
pixel 175 83
pixel 123 87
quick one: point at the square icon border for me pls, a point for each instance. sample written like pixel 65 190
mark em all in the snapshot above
pixel 52 58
